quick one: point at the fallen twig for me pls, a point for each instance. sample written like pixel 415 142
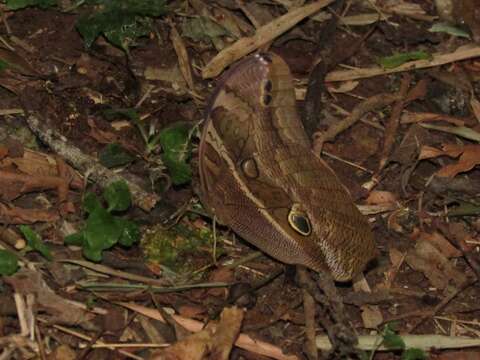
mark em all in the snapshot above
pixel 462 53
pixel 88 164
pixel 372 103
pixel 423 342
pixel 309 311
pixel 263 35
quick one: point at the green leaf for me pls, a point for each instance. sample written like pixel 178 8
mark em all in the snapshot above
pixel 464 209
pixel 121 22
pixel 176 152
pixel 8 263
pixel 150 8
pixel 114 155
pixel 414 354
pixel 391 339
pixel 117 196
pixel 101 232
pixel 76 239
pixel 20 4
pixel 91 202
pixel 92 254
pixel 4 64
pixel 130 234
pixel 449 29
pixel 35 242
pixel 391 62
pixel 203 29
pixel 131 114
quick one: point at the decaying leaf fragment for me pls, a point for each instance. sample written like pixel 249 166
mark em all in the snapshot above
pixel 213 342
pixel 469 157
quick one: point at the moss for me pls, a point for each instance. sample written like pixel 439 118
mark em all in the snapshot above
pixel 180 248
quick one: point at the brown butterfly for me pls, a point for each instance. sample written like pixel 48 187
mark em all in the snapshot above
pixel 259 176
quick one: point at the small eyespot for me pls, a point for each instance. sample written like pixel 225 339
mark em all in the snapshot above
pixel 266 99
pixel 299 222
pixel 267 86
pixel 250 169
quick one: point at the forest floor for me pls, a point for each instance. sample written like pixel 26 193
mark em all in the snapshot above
pixel 118 91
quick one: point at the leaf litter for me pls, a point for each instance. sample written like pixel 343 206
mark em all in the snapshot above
pixel 411 143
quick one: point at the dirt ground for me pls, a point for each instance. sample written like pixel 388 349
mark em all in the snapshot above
pixel 408 152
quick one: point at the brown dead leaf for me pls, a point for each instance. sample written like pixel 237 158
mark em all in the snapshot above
pixel 419 91
pixel 440 242
pixel 40 164
pixel 62 352
pixel 213 343
pixel 182 56
pixel 427 259
pixel 56 308
pixel 381 197
pixel 475 104
pixel 469 158
pixel 3 152
pixel 222 274
pixel 417 117
pixel 15 215
pixel 191 311
pixel 343 87
pixel 407 152
pixel 396 258
pixel 428 152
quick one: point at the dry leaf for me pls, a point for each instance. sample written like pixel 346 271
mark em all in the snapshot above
pixel 56 308
pixel 416 117
pixel 428 152
pixel 427 259
pixel 381 197
pixel 469 158
pixel 182 55
pixel 214 342
pixel 441 243
pixel 475 104
pixel 343 87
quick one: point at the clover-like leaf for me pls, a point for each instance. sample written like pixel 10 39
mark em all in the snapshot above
pixel 35 242
pixel 118 196
pixel 176 152
pixel 8 262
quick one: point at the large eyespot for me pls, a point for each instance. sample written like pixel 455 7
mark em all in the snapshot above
pixel 298 220
pixel 249 168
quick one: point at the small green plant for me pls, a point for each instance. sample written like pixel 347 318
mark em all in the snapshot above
pixel 391 62
pixel 178 248
pixel 174 141
pixel 114 155
pixel 391 340
pixel 103 228
pixel 20 4
pixel 120 21
pixel 8 263
pixel 35 243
